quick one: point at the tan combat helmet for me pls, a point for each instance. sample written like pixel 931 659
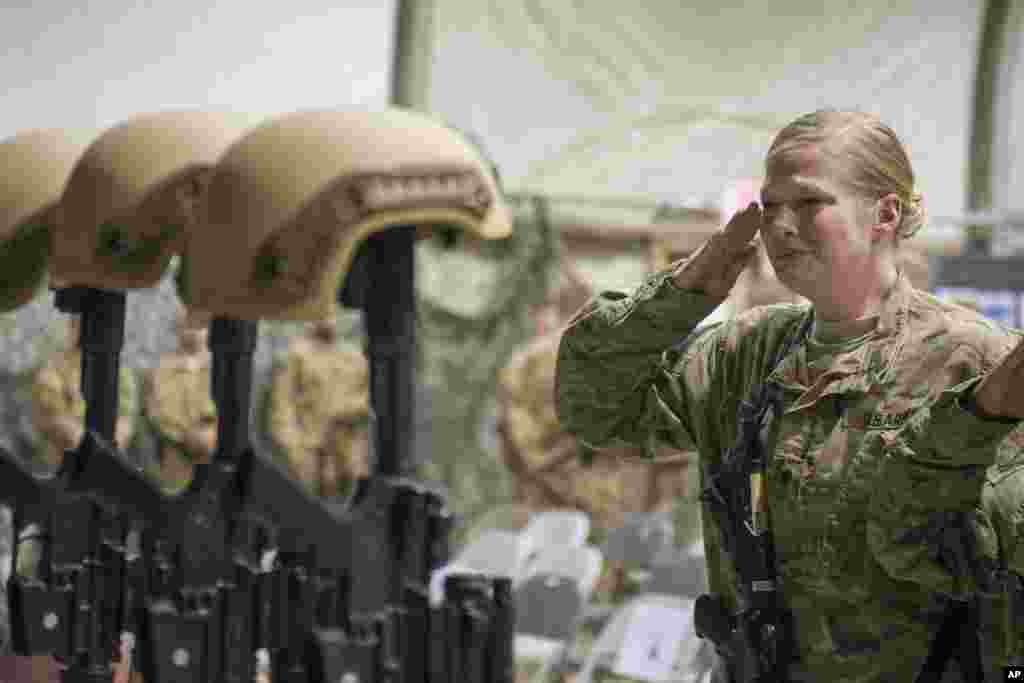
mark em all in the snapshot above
pixel 289 203
pixel 132 192
pixel 34 167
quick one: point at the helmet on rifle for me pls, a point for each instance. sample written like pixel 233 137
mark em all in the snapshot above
pixel 290 202
pixel 132 192
pixel 36 165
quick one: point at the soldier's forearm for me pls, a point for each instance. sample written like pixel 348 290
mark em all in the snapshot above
pixel 648 320
pixel 609 358
pixel 1001 394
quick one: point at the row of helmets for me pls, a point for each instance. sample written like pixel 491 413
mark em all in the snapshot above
pixel 264 214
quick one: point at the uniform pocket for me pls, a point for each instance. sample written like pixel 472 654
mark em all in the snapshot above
pixel 925 525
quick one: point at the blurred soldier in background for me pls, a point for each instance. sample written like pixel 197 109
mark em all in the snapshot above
pixel 319 410
pixel 549 468
pixel 178 404
pixel 57 405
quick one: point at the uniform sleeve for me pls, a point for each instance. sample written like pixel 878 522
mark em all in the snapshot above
pixel 926 525
pixel 959 434
pixel 1003 501
pixel 618 380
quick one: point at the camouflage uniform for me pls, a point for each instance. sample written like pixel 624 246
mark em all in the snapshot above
pixel 58 409
pixel 876 469
pixel 319 413
pixel 181 411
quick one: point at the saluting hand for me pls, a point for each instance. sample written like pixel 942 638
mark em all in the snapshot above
pixel 714 268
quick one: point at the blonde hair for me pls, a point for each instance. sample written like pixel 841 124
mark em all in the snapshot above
pixel 871 156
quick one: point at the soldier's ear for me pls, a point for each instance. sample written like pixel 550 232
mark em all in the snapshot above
pixel 888 212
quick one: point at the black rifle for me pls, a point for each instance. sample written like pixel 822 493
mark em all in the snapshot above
pixel 756 640
pixel 186 577
pixel 208 601
pixel 72 607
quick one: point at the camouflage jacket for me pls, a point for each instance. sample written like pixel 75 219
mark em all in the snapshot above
pixel 56 394
pixel 875 472
pixel 178 405
pixel 313 387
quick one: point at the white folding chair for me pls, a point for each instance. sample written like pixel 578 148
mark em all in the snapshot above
pixel 651 638
pixel 581 564
pixel 548 607
pixel 682 574
pixel 494 552
pixel 505 517
pixel 552 527
pixel 550 598
pixel 639 539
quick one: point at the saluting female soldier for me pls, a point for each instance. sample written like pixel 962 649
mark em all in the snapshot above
pixel 892 404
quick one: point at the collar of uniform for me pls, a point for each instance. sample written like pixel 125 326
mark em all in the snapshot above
pixel 847 371
pixel 893 315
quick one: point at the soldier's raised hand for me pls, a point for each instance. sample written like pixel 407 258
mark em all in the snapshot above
pixel 1001 393
pixel 714 267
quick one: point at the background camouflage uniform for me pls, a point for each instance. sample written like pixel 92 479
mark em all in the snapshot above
pixel 180 407
pixel 549 467
pixel 318 412
pixel 58 408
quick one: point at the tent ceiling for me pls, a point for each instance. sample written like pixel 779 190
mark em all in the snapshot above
pixel 672 102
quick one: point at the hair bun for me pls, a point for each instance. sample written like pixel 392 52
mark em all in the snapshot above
pixel 913 217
